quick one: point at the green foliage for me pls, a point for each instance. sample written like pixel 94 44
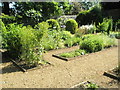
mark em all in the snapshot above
pixel 105 26
pixel 71 25
pixel 11 40
pixel 41 30
pixel 66 35
pixel 92 86
pixel 34 12
pixel 72 41
pixel 115 35
pixel 96 43
pixel 73 53
pixel 7 19
pixel 31 46
pixel 90 16
pixel 25 43
pixel 53 24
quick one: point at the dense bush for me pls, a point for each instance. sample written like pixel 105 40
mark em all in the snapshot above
pixel 53 24
pixel 24 42
pixel 71 25
pixel 11 40
pixel 90 16
pixel 72 41
pixel 41 30
pixel 95 43
pixel 66 35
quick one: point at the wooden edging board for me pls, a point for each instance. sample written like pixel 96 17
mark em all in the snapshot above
pixel 111 75
pixel 25 70
pixel 66 59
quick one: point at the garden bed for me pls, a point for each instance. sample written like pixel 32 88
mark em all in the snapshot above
pixel 72 58
pixel 113 73
pixel 66 59
pixel 25 67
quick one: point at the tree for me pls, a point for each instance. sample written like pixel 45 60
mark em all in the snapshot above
pixel 35 12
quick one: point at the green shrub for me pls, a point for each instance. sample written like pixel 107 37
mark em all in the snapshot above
pixel 91 45
pixel 105 26
pixel 41 30
pixel 90 16
pixel 72 41
pixel 11 40
pixel 53 24
pixel 31 47
pixel 96 43
pixel 24 42
pixel 71 25
pixel 66 35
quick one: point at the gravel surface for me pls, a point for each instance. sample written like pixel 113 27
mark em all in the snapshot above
pixel 64 74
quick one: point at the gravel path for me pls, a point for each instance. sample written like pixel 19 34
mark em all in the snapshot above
pixel 64 74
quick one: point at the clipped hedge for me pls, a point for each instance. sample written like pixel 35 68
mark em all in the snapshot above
pixel 71 25
pixel 53 24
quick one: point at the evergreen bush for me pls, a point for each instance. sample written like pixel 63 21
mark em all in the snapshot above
pixel 71 25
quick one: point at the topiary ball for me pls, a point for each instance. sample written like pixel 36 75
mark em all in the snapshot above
pixel 53 24
pixel 71 25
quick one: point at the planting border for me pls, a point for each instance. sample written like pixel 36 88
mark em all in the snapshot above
pixel 68 59
pixel 112 75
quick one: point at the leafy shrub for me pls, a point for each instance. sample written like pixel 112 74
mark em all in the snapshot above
pixel 41 30
pixel 71 25
pixel 72 41
pixel 53 24
pixel 97 42
pixel 24 42
pixel 90 16
pixel 11 40
pixel 73 53
pixel 31 46
pixel 66 35
pixel 91 45
pixel 105 26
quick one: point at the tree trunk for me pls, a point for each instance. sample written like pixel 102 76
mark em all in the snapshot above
pixel 5 8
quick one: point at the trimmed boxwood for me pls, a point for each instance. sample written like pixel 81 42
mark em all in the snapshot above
pixel 53 24
pixel 71 25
